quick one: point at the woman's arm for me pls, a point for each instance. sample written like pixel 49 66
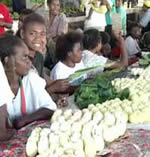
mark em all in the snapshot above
pixel 41 114
pixel 124 57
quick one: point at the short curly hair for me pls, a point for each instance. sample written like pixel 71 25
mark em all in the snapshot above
pixel 65 44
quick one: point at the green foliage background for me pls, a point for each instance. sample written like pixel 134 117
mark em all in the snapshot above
pixel 8 3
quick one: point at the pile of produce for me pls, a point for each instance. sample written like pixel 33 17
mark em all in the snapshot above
pixel 98 90
pixel 15 16
pixel 37 1
pixel 138 108
pixel 72 11
pixel 145 60
pixel 77 133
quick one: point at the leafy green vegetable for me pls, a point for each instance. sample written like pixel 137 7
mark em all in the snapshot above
pixel 97 90
pixel 145 60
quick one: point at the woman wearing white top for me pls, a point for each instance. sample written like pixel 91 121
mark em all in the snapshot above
pixel 31 102
pixel 92 46
pixel 68 53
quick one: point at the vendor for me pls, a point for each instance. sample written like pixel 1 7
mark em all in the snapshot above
pixel 56 22
pixel 92 46
pixel 68 53
pixel 5 19
pixel 31 102
pixel 145 20
pixel 33 32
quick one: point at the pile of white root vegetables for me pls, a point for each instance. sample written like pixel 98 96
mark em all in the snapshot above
pixel 78 133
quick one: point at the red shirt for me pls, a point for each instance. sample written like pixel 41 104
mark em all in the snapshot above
pixel 4 16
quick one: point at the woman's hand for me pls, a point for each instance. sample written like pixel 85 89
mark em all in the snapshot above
pixel 58 86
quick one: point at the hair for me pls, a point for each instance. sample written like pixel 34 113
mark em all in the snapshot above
pixel 105 37
pixel 91 38
pixel 26 12
pixel 131 26
pixel 147 37
pixel 8 42
pixel 65 44
pixel 51 1
pixel 33 18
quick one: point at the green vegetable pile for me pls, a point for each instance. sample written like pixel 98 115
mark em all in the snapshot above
pixel 8 3
pixel 96 91
pixel 38 1
pixel 145 60
pixel 72 11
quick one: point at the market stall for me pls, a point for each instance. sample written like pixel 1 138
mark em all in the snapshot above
pixel 132 141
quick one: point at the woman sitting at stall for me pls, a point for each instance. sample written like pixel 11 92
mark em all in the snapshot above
pixel 92 45
pixel 31 102
pixel 33 34
pixel 68 53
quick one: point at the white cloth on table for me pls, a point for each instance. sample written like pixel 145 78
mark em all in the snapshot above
pixel 62 71
pixel 36 96
pixel 90 59
pixel 131 46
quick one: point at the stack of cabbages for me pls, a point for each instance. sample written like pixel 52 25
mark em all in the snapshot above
pixel 77 133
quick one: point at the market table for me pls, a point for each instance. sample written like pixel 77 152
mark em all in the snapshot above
pixel 136 143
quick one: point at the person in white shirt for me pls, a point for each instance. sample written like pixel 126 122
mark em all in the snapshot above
pixel 96 15
pixel 6 96
pixel 68 53
pixel 145 19
pixel 31 102
pixel 131 42
pixel 92 46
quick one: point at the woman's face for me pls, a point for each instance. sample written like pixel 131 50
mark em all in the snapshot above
pixel 54 7
pixel 35 37
pixel 22 62
pixel 76 54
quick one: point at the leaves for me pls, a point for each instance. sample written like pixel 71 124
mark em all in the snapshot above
pixel 96 91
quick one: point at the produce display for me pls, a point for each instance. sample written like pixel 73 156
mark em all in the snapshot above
pixel 138 108
pixel 37 1
pixel 98 90
pixel 145 60
pixel 78 133
pixel 8 3
pixel 72 11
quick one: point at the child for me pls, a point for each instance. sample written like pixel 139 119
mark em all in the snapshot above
pixel 68 53
pixel 131 42
pixel 106 48
pixel 92 45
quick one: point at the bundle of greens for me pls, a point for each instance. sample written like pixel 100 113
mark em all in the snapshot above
pixel 145 60
pixel 96 91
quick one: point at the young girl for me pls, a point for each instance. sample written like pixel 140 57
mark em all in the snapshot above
pixel 92 45
pixel 68 53
pixel 31 102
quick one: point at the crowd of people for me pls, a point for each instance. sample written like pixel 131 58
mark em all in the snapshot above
pixel 34 74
